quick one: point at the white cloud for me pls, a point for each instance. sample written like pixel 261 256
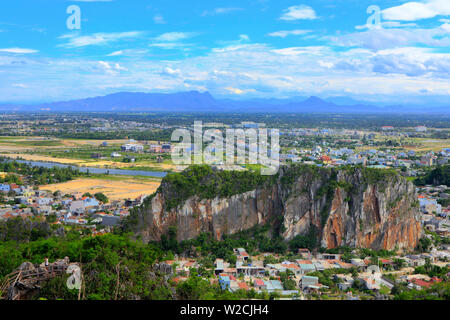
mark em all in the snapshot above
pixel 390 24
pixel 251 69
pixel 18 50
pixel 243 38
pixel 169 72
pixel 19 85
pixel 218 11
pixel 174 36
pixel 119 67
pixel 325 64
pixel 295 51
pixel 170 45
pixel 238 91
pixel 111 68
pixel 159 19
pixel 284 34
pixel 300 12
pixel 378 39
pixel 446 27
pixel 412 11
pixel 75 40
pixel 127 52
pixel 116 53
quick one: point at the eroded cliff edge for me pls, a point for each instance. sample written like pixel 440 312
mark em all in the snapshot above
pixel 351 206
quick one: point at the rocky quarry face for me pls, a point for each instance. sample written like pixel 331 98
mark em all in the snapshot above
pixel 352 207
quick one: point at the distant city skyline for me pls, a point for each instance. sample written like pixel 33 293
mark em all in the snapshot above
pixel 233 49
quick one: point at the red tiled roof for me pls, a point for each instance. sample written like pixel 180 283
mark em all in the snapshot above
pixel 178 279
pixel 189 263
pixel 422 283
pixel 426 284
pixel 243 285
pixel 332 261
pixel 259 282
pixel 345 265
pixel 436 279
pixel 385 261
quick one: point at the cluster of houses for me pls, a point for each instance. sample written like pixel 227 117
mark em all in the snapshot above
pixel 252 273
pixel 434 217
pixel 74 209
pixel 134 146
pixel 372 158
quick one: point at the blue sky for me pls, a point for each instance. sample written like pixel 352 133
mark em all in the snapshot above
pixel 234 49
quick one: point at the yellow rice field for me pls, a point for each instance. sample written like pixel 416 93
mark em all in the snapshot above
pixel 113 189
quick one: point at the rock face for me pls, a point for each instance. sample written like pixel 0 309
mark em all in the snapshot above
pixel 353 207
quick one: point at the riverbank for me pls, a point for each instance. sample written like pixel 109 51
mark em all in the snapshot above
pixel 100 164
pixel 93 170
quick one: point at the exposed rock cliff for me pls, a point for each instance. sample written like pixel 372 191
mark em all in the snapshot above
pixel 357 207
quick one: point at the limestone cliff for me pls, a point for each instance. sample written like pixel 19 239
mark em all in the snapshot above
pixel 356 207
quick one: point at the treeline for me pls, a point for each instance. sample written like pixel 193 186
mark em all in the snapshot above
pixel 154 135
pixel 34 174
pixel 438 176
pixel 287 120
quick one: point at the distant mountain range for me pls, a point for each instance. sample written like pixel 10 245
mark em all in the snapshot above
pixel 194 101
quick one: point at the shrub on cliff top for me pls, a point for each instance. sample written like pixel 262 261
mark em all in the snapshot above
pixel 376 176
pixel 207 183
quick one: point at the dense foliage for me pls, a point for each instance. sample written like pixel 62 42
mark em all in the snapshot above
pixel 256 239
pixel 101 197
pixel 113 266
pixel 438 176
pixel 272 120
pixel 151 135
pixel 38 175
pixel 18 229
pixel 438 291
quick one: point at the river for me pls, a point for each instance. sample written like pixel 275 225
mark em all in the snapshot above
pixel 155 174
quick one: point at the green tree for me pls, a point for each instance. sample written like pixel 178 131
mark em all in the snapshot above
pixel 101 197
